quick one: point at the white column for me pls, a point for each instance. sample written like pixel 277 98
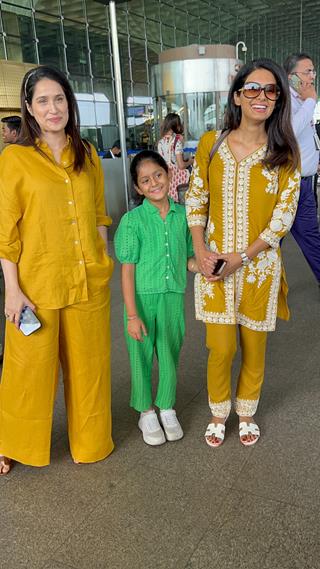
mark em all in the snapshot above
pixel 119 95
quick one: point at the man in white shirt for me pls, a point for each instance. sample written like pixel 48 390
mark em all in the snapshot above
pixel 305 229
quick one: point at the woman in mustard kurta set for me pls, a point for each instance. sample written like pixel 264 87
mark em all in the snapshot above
pixel 53 250
pixel 241 201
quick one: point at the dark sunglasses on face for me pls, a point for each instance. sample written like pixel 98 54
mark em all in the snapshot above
pixel 253 90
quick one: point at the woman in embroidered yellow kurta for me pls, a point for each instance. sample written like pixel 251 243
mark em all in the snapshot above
pixel 238 202
pixel 239 205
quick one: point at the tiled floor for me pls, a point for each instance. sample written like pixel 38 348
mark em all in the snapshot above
pixel 184 505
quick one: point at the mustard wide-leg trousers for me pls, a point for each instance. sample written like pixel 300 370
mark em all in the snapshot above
pixel 222 343
pixel 79 337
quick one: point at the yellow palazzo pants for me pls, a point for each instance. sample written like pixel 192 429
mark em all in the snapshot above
pixel 222 343
pixel 77 337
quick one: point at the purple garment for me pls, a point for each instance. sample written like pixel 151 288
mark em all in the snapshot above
pixel 305 228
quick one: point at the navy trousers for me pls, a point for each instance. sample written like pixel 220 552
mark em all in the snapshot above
pixel 305 228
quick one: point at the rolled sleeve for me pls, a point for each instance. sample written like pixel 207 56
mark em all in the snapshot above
pixel 285 210
pixel 10 209
pixel 126 241
pixel 104 220
pixel 102 217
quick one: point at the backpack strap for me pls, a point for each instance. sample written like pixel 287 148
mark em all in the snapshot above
pixel 217 144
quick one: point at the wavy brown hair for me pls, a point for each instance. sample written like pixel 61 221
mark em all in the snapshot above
pixel 171 122
pixel 30 129
pixel 282 147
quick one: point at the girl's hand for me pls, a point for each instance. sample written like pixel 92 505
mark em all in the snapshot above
pixel 136 328
pixel 234 262
pixel 192 265
pixel 206 261
pixel 15 301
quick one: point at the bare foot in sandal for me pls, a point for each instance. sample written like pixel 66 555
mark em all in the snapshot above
pixel 215 432
pixel 249 431
pixel 5 465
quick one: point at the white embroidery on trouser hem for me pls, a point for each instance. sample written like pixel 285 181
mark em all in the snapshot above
pixel 220 410
pixel 246 407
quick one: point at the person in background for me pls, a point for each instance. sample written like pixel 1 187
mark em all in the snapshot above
pixel 10 129
pixel 239 205
pixel 305 229
pixel 154 246
pixel 170 147
pixel 114 151
pixel 54 256
pixel 316 177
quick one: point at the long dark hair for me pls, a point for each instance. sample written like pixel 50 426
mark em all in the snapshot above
pixel 143 156
pixel 282 147
pixel 30 129
pixel 171 122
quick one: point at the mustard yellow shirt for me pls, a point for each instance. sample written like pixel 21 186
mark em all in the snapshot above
pixel 49 216
pixel 237 202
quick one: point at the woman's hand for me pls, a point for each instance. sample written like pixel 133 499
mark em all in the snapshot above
pixel 15 301
pixel 206 261
pixel 234 262
pixel 136 329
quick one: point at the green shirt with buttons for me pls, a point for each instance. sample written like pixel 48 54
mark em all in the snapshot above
pixel 158 247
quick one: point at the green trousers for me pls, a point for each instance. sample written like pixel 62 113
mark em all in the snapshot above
pixel 163 316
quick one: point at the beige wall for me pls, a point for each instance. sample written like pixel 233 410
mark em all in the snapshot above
pixel 192 52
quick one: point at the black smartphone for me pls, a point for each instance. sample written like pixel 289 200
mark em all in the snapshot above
pixel 220 265
pixel 29 323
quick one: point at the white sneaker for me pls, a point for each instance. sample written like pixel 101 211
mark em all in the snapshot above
pixel 151 429
pixel 171 425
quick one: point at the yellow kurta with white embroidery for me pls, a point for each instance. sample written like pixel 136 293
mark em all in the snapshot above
pixel 238 202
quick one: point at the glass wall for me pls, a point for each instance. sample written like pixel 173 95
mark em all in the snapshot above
pixel 74 35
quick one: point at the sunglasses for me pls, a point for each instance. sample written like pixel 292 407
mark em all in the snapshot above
pixel 253 90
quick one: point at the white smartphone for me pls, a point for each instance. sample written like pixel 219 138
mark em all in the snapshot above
pixel 29 323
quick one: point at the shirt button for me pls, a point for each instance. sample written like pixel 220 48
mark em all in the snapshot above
pixel 167 277
pixel 76 242
pixel 73 222
pixel 70 202
pixel 166 232
pixel 67 181
pixel 167 254
pixel 167 244
pixel 80 262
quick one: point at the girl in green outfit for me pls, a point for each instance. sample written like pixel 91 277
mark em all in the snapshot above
pixel 154 245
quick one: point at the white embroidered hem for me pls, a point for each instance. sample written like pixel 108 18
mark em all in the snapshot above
pixel 220 410
pixel 246 407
